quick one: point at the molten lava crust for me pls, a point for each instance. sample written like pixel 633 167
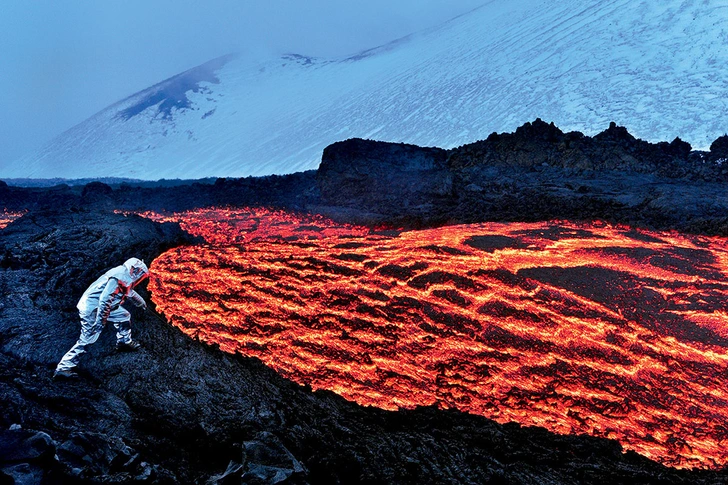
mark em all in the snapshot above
pixel 597 329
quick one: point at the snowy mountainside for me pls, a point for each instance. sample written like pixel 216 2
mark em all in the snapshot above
pixel 658 68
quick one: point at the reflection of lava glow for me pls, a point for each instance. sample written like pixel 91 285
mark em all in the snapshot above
pixel 6 217
pixel 596 329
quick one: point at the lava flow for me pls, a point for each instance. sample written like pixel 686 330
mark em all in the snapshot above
pixel 6 217
pixel 597 329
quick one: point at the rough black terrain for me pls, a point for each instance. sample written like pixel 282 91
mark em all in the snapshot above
pixel 181 412
pixel 536 173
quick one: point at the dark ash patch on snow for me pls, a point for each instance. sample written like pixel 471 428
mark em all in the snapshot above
pixel 172 93
pixel 300 59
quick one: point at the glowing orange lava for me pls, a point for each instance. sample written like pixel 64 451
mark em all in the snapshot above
pixel 6 217
pixel 596 329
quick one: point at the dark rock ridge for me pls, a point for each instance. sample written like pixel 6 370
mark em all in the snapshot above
pixel 296 191
pixel 539 143
pixel 719 149
pixel 536 173
pixel 362 170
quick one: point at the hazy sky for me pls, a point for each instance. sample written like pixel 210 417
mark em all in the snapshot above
pixel 62 61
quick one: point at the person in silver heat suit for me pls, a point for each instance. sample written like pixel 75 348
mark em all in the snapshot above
pixel 101 303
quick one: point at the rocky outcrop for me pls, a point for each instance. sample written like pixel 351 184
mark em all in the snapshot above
pixel 97 194
pixel 181 412
pixel 25 456
pixel 351 172
pixel 614 149
pixel 536 173
pixel 264 460
pixel 21 199
pixel 719 148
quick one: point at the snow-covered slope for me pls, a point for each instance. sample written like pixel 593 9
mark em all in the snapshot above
pixel 658 67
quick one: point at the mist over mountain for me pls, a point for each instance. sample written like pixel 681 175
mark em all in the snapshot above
pixel 657 69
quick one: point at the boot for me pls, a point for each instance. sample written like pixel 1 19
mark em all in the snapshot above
pixel 130 346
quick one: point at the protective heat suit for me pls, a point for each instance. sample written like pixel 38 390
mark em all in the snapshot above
pixel 101 303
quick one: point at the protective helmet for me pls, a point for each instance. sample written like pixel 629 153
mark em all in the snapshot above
pixel 137 269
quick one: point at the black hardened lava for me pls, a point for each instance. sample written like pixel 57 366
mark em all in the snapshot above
pixel 179 411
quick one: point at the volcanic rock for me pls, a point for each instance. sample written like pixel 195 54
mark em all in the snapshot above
pixel 265 461
pixel 97 194
pixel 719 148
pixel 180 411
pixel 100 453
pixel 543 144
pixel 355 170
pixel 22 474
pixel 536 173
pixel 96 188
pixel 231 475
pixel 18 445
pixel 24 455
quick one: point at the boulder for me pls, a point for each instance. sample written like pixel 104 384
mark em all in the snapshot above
pixel 96 454
pixel 357 170
pixel 97 194
pixel 19 445
pixel 22 474
pixel 265 461
pixel 25 456
pixel 719 148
